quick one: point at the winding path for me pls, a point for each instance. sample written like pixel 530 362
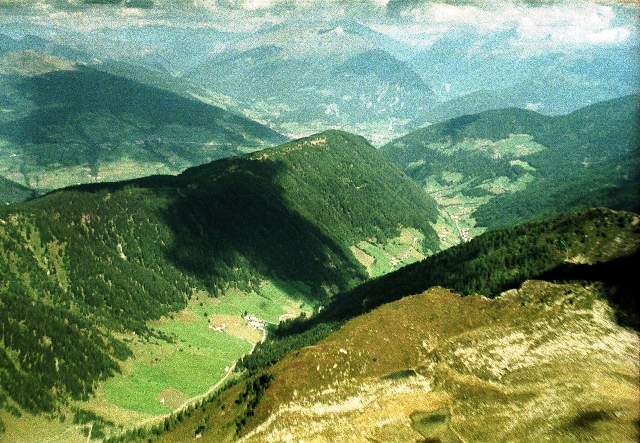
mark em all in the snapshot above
pixel 191 401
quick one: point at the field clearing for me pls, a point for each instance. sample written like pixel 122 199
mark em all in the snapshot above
pixel 274 299
pixel 236 326
pixel 186 373
pixel 402 250
pixel 517 145
pixel 188 367
pixel 33 429
pixel 365 259
pixel 199 356
pixel 186 370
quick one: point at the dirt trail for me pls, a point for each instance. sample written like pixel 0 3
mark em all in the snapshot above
pixel 194 400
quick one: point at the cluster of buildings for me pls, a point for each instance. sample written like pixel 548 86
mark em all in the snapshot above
pixel 254 322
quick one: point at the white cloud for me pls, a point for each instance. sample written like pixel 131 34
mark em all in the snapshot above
pixel 563 25
pixel 614 35
pixel 539 28
pixel 253 5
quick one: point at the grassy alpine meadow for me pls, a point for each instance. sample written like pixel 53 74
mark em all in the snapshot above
pixel 164 374
pixel 175 372
pixel 163 387
pixel 402 250
pixel 272 300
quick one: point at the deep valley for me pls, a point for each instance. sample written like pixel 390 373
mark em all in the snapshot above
pixel 306 221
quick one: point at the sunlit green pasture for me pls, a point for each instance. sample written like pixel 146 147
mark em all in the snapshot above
pixel 190 366
pixel 517 145
pixel 273 299
pixel 198 356
pixel 396 253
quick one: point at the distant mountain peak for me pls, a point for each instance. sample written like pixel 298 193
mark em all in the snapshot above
pixel 31 63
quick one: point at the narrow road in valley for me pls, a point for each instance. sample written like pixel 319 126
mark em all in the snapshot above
pixel 454 218
pixel 194 400
pixel 283 316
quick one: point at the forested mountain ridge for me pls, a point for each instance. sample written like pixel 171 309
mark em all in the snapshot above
pixel 82 262
pixel 488 265
pixel 11 192
pixel 66 123
pixel 554 291
pixel 503 167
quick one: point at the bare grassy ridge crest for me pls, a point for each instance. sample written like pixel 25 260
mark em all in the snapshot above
pixel 545 360
pixel 463 369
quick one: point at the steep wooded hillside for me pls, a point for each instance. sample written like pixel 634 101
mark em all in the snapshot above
pixel 570 246
pixel 81 263
pixel 550 359
pixel 11 192
pixel 66 123
pixel 500 168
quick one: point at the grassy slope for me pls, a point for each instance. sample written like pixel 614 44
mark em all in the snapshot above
pixel 545 361
pixel 109 257
pixel 454 367
pixel 500 168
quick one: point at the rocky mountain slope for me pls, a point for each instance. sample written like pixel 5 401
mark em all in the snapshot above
pixel 553 359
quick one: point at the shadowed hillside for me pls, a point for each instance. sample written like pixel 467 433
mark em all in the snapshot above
pixel 69 124
pixel 11 192
pixel 84 263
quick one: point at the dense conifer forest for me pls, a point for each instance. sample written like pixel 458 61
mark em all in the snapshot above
pixel 81 263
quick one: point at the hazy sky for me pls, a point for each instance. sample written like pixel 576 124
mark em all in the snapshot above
pixel 536 26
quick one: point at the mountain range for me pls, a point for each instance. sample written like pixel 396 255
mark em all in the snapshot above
pixel 501 167
pixel 85 264
pixel 65 123
pixel 352 84
pixel 97 262
pixel 329 76
pixel 450 256
pixel 553 358
pixel 551 83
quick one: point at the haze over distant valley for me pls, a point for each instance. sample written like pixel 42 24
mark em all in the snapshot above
pixel 376 68
pixel 328 221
